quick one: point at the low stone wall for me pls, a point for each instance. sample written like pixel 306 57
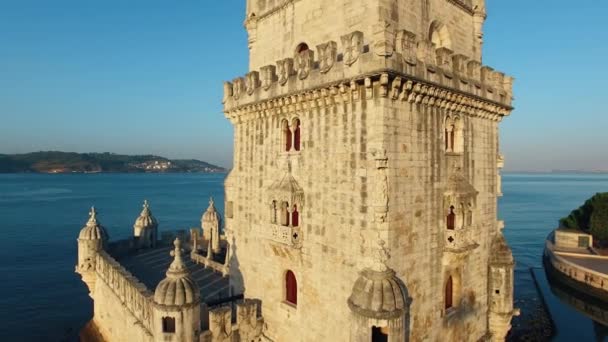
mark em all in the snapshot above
pixel 574 271
pixel 214 265
pixel 122 303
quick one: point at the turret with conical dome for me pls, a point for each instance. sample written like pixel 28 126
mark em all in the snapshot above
pixel 177 302
pixel 210 223
pixel 500 296
pixel 92 238
pixel 145 228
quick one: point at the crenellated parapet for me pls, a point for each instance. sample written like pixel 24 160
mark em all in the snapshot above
pixel 397 65
pixel 134 295
pixel 248 326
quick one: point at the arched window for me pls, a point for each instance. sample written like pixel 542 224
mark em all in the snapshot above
pixel 451 219
pixel 379 334
pixel 470 215
pixel 449 293
pixel 440 36
pixel 295 217
pixel 273 212
pixel 286 135
pixel 453 135
pixel 296 135
pixel 291 288
pixel 302 47
pixel 285 214
pixel 168 324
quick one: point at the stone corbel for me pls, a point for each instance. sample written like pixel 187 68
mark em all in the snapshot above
pixel 384 85
pixel 328 53
pixel 369 88
pixel 395 88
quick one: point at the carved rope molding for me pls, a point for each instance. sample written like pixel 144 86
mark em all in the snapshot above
pixel 396 87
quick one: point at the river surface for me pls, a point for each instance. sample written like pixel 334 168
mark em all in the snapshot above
pixel 40 217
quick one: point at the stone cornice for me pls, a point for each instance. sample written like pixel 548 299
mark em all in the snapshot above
pixel 412 60
pixel 270 12
pixel 382 84
pixel 460 4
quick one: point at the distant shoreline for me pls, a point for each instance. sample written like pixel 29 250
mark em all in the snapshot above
pixel 56 162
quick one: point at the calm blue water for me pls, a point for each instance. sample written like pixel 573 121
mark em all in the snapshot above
pixel 41 215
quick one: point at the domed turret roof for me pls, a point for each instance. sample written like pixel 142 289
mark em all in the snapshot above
pixel 459 185
pixel 378 293
pixel 93 230
pixel 177 288
pixel 501 253
pixel 211 215
pixel 146 219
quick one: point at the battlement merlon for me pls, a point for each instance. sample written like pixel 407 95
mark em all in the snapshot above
pixel 415 70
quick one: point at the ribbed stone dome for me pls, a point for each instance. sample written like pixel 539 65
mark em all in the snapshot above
pixel 93 230
pixel 211 215
pixel 500 253
pixel 378 295
pixel 145 219
pixel 177 288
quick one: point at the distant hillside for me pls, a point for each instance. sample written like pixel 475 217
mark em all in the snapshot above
pixel 67 162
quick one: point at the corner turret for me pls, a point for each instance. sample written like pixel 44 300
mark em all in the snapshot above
pixel 379 301
pixel 177 303
pixel 145 228
pixel 210 222
pixel 500 288
pixel 92 238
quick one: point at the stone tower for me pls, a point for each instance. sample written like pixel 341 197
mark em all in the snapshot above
pixel 145 228
pixel 366 123
pixel 92 238
pixel 177 303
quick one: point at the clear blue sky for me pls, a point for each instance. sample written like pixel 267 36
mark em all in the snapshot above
pixel 145 76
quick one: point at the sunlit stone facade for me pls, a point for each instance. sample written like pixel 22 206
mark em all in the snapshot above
pixel 362 205
pixel 366 155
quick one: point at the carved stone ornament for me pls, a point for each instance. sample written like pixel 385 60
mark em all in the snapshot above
pixel 237 87
pixel 459 64
pixel 406 46
pixel 268 76
pixel 474 69
pixel 253 80
pixel 284 70
pixel 444 58
pixel 304 62
pixel 328 53
pixel 426 52
pixel 227 91
pixel 384 38
pixel 353 47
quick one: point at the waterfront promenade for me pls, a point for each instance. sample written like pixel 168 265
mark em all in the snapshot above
pixel 571 254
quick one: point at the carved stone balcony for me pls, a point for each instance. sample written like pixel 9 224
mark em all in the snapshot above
pixel 459 240
pixel 286 235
